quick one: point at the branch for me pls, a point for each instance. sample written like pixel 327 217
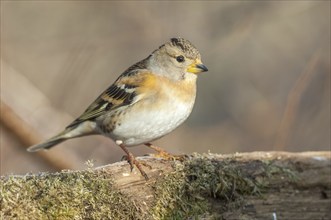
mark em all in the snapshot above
pixel 18 114
pixel 258 185
pixel 293 101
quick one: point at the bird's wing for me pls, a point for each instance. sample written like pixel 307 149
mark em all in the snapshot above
pixel 124 92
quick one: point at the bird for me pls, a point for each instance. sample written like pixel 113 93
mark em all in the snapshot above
pixel 147 101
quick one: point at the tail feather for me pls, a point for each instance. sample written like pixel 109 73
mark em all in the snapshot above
pixel 63 136
pixel 82 129
pixel 47 144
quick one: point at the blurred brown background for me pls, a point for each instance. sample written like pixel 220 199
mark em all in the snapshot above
pixel 268 85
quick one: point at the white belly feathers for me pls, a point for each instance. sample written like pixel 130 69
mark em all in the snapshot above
pixel 150 124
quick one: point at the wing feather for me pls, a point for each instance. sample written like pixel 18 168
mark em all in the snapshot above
pixel 122 93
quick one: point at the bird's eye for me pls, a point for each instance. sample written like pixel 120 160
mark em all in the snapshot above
pixel 180 59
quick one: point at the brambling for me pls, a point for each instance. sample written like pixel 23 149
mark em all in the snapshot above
pixel 147 101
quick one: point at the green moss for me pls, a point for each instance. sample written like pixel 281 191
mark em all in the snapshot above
pixel 188 191
pixel 65 195
pixel 274 170
pixel 173 201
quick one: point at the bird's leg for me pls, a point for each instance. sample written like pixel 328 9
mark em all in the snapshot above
pixel 132 160
pixel 164 154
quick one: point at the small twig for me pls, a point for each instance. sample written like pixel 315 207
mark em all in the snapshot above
pixel 29 136
pixel 293 102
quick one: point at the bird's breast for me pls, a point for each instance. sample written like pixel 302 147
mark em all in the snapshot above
pixel 154 116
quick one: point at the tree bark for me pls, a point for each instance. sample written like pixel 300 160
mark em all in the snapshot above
pixel 257 185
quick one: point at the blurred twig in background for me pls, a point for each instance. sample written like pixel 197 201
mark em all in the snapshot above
pixel 293 101
pixel 21 103
pixel 29 136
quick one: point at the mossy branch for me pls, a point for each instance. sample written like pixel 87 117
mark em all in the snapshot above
pixel 258 185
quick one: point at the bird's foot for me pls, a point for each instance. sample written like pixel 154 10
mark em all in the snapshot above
pixel 126 158
pixel 164 154
pixel 133 161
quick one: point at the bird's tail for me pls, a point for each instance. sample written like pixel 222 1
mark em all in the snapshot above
pixel 82 129
pixel 49 143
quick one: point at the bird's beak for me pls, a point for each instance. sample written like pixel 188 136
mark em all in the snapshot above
pixel 197 67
